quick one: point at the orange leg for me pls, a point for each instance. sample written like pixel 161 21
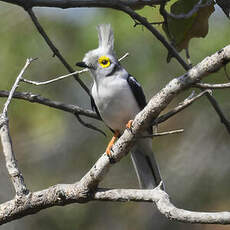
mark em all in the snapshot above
pixel 111 143
pixel 129 124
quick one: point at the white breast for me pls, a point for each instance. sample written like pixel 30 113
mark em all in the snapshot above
pixel 115 102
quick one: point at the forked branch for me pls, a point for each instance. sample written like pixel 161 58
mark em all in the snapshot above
pixel 11 163
pixel 86 189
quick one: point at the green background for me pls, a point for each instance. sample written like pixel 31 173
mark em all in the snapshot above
pixel 52 147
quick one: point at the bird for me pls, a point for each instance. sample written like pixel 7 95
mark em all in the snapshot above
pixel 117 98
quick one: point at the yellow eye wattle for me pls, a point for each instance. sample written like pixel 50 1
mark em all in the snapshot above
pixel 104 61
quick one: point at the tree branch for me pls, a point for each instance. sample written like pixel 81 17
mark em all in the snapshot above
pixel 118 5
pixel 54 49
pixel 220 113
pixel 11 163
pixel 212 86
pixel 61 58
pixel 160 134
pixel 188 101
pixel 63 194
pixel 157 104
pixel 125 6
pixel 175 54
pixel 154 31
pixel 35 98
pixel 37 83
pixel 86 188
pixel 164 205
pixel 81 3
pixel 82 191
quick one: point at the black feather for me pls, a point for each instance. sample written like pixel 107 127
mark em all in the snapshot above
pixel 94 107
pixel 139 95
pixel 137 91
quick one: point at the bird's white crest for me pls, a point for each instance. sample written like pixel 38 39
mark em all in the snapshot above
pixel 105 36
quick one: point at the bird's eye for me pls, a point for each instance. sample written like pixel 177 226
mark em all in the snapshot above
pixel 104 61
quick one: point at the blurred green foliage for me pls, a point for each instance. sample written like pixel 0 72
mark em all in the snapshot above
pixel 181 31
pixel 52 147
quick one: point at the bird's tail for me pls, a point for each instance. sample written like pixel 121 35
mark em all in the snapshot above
pixel 145 164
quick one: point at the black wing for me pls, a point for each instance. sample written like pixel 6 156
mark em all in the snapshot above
pixel 139 95
pixel 94 107
pixel 137 91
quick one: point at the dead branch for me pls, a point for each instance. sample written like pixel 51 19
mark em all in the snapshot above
pixel 125 6
pixel 55 51
pixel 212 86
pixel 35 98
pixel 188 101
pixel 223 118
pixel 83 3
pixel 160 134
pixel 86 189
pixel 64 195
pixel 11 163
pixel 38 83
pixel 152 110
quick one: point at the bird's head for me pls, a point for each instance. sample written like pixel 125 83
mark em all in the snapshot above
pixel 102 62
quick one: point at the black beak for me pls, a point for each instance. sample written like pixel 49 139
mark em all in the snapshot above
pixel 82 64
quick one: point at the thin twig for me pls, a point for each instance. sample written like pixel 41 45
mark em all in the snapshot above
pixel 151 111
pixel 188 101
pixel 135 16
pixel 35 98
pixel 157 134
pixel 80 191
pixel 151 23
pixel 11 163
pixel 63 4
pixel 172 51
pixel 226 72
pixel 188 57
pixel 119 6
pixel 15 86
pixel 89 125
pixel 211 99
pixel 163 133
pixel 55 50
pixel 220 113
pixel 212 86
pixel 123 57
pixel 37 83
pixel 160 134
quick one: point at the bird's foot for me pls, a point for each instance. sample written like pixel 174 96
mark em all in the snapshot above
pixel 110 145
pixel 129 124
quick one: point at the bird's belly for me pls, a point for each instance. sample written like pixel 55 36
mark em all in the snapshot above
pixel 117 114
pixel 117 108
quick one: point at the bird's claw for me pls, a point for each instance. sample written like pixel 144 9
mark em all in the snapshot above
pixel 110 146
pixel 129 125
pixel 108 153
